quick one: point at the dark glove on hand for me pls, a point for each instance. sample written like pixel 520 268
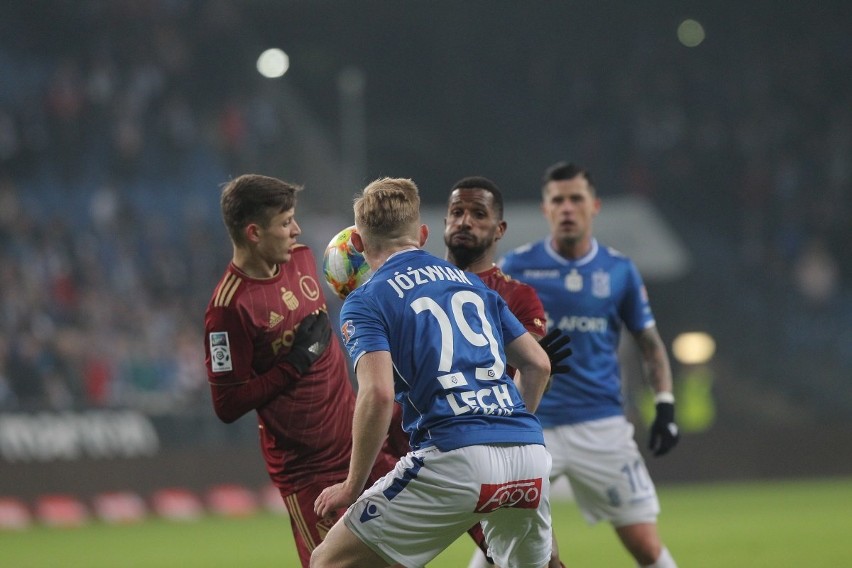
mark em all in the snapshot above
pixel 554 345
pixel 312 339
pixel 664 434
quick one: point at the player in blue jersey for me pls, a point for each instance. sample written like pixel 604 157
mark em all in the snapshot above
pixel 437 340
pixel 591 292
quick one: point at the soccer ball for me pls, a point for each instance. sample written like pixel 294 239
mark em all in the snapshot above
pixel 344 267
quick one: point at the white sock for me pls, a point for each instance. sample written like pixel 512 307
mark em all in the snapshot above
pixel 664 560
pixel 478 560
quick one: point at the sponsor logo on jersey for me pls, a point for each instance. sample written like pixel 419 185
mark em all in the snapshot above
pixel 220 352
pixel 541 274
pixel 600 284
pixel 583 323
pixel 274 319
pixel 574 281
pixel 521 494
pixel 370 512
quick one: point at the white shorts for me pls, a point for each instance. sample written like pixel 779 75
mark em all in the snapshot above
pixel 432 497
pixel 605 469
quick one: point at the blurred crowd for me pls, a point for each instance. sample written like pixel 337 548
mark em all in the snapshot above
pixel 115 133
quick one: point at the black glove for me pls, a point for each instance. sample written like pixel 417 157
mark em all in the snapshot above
pixel 664 434
pixel 554 345
pixel 312 339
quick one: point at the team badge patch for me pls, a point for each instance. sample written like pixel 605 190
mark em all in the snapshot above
pixel 574 281
pixel 220 352
pixel 600 284
pixel 348 330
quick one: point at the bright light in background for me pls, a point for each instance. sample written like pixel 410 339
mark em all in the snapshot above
pixel 693 348
pixel 273 63
pixel 690 33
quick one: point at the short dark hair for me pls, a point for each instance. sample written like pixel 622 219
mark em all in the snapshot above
pixel 253 198
pixel 479 182
pixel 565 170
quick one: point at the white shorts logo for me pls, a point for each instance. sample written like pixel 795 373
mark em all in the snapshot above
pixel 521 494
pixel 220 352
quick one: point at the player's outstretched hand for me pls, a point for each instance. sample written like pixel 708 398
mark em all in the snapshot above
pixel 664 433
pixel 554 344
pixel 311 341
pixel 332 498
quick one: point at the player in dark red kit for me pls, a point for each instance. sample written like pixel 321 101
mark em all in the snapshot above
pixel 269 348
pixel 472 227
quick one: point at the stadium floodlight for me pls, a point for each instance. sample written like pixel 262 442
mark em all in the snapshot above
pixel 273 63
pixel 690 33
pixel 694 348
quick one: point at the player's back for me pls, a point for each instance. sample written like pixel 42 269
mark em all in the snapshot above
pixel 445 331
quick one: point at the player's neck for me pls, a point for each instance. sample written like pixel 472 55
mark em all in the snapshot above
pixel 572 249
pixel 252 265
pixel 377 259
pixel 479 265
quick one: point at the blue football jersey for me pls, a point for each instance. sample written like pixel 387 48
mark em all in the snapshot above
pixel 589 298
pixel 445 331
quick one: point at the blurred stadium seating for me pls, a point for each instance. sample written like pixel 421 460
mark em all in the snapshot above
pixel 120 120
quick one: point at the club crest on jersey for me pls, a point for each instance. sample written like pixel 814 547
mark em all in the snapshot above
pixel 289 298
pixel 220 352
pixel 574 281
pixel 600 284
pixel 309 287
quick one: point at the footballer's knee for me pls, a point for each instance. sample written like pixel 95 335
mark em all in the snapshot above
pixel 642 541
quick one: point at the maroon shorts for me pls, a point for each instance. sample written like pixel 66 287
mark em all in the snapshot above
pixel 309 529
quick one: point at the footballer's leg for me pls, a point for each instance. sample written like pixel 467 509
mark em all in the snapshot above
pixel 308 529
pixel 342 549
pixel 643 542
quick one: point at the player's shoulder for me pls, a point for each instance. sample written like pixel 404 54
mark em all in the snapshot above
pixel 500 279
pixel 300 249
pixel 527 253
pixel 613 252
pixel 227 291
pixel 525 249
pixel 613 256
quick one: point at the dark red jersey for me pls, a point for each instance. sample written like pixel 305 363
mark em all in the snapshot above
pixel 521 298
pixel 305 421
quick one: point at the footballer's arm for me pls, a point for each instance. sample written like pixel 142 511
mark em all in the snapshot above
pixel 238 389
pixel 533 365
pixel 373 411
pixel 655 360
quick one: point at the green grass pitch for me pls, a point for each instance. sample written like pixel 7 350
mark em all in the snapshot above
pixel 767 524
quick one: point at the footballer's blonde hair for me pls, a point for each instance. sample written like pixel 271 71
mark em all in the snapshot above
pixel 387 213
